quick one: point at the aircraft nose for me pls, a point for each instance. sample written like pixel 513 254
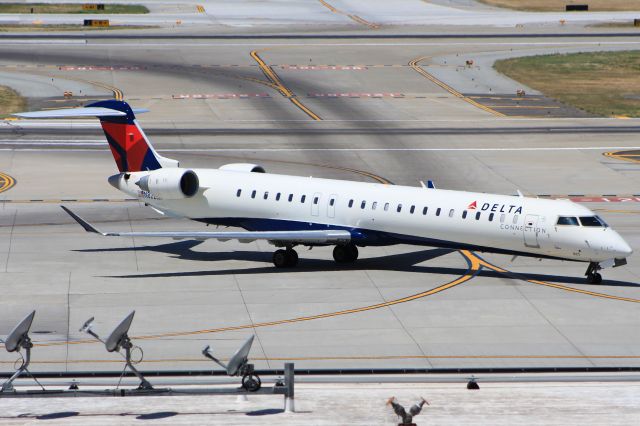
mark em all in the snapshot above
pixel 622 248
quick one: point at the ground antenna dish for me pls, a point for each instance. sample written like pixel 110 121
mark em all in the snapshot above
pixel 239 365
pixel 118 339
pixel 17 340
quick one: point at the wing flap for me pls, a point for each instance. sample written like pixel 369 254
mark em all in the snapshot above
pixel 311 237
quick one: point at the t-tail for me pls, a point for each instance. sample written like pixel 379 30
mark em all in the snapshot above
pixel 130 147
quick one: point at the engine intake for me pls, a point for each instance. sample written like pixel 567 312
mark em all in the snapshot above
pixel 170 184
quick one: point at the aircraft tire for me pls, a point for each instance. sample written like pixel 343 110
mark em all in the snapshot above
pixel 345 253
pixel 595 278
pixel 292 258
pixel 280 258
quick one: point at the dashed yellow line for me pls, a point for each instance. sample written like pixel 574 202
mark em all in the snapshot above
pixel 354 18
pixel 279 85
pixel 414 64
pixel 6 182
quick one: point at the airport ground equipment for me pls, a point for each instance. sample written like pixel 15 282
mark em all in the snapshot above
pixel 239 366
pixel 17 340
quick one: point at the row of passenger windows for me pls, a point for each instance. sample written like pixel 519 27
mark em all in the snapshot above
pixel 595 221
pixel 374 206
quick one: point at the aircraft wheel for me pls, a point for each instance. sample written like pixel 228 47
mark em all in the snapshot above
pixel 292 258
pixel 345 253
pixel 595 278
pixel 280 258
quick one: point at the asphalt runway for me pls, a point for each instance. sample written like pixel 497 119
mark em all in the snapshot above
pixel 398 307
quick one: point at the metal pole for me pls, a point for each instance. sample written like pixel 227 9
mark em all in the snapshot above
pixel 289 397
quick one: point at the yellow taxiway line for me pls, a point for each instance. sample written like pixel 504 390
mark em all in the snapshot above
pixel 414 64
pixel 354 18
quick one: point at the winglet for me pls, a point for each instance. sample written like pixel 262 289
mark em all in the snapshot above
pixel 86 225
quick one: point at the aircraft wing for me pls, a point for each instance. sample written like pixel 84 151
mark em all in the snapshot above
pixel 304 237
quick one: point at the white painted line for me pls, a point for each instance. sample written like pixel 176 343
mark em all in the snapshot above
pixel 187 150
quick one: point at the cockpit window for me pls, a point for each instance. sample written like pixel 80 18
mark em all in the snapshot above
pixel 567 220
pixel 592 221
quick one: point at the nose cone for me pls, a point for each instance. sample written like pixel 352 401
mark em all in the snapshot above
pixel 622 248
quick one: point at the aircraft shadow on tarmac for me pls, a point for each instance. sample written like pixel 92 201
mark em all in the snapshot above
pixel 404 262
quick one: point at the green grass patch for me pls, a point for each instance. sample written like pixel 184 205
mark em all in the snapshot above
pixel 10 102
pixel 559 5
pixel 602 83
pixel 67 27
pixel 70 8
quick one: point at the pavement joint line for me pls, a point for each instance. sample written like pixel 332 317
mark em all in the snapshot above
pixel 414 63
pixel 279 85
pixel 353 17
pixel 473 268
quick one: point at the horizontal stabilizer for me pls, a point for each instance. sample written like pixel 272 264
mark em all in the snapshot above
pixel 77 112
pixel 304 237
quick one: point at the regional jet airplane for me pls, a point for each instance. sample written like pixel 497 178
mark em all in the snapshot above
pixel 290 211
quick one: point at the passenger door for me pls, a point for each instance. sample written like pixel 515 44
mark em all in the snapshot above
pixel 530 231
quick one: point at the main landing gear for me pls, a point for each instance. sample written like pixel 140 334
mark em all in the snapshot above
pixel 345 253
pixel 285 258
pixel 593 277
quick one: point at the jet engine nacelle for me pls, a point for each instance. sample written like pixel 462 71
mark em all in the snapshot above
pixel 243 167
pixel 170 184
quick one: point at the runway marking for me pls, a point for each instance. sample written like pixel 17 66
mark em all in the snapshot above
pixel 275 80
pixel 100 68
pixel 6 182
pixel 200 9
pixel 221 96
pixel 325 67
pixel 356 95
pixel 355 18
pixel 414 64
pixel 118 95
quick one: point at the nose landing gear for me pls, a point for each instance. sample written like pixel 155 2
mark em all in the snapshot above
pixel 593 277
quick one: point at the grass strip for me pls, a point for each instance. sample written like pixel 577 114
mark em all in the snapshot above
pixel 559 5
pixel 70 8
pixel 602 83
pixel 10 101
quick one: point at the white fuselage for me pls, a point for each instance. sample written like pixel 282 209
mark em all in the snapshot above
pixel 379 214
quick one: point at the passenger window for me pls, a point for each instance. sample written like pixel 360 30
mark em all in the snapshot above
pixel 464 214
pixel 239 192
pixel 374 205
pixel 412 209
pixel 502 217
pixel 266 195
pixel 290 197
pixel 567 220
pixel 424 211
pixel 478 216
pixel 315 200
pixel 304 197
pixel 363 204
pixel 490 217
pixel 438 211
pixel 253 194
pixel 399 208
pixel 350 203
pixel 386 207
pixel 515 219
pixel 332 202
pixel 451 212
pixel 592 221
pixel 278 196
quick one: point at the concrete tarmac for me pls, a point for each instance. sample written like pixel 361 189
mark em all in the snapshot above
pixel 398 306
